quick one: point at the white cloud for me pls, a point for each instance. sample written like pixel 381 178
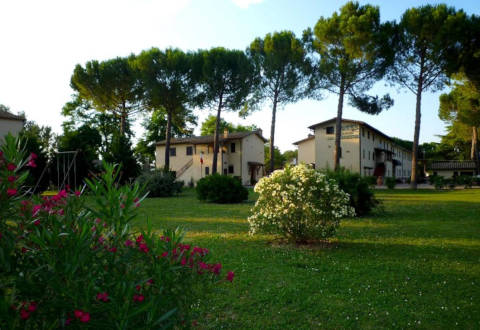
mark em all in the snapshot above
pixel 245 3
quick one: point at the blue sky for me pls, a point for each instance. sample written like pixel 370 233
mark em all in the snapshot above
pixel 43 40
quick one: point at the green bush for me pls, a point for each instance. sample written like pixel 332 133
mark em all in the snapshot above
pixel 66 260
pixel 390 183
pixel 300 204
pixel 371 180
pixel 438 182
pixel 362 197
pixel 160 183
pixel 465 180
pixel 218 188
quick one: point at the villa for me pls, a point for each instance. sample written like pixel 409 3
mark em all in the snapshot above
pixel 364 149
pixel 241 155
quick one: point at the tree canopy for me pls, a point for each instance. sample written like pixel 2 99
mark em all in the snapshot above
pixel 226 79
pixel 208 126
pixel 423 39
pixel 282 63
pixel 353 54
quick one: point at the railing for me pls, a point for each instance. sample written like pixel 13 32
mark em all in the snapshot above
pixel 184 168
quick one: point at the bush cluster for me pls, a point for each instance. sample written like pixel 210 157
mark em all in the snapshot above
pixel 390 182
pixel 160 183
pixel 218 188
pixel 300 204
pixel 362 197
pixel 65 262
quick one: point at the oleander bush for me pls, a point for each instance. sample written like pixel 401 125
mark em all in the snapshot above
pixel 65 262
pixel 222 189
pixel 299 204
pixel 362 196
pixel 390 182
pixel 160 183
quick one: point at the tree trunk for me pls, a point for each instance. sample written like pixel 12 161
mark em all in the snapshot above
pixel 123 122
pixel 272 135
pixel 168 135
pixel 216 137
pixel 416 134
pixel 474 150
pixel 338 127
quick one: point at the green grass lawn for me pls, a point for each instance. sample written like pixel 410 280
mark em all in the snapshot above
pixel 415 263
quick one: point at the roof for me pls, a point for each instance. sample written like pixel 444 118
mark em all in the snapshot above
pixel 361 123
pixel 310 137
pixel 209 138
pixel 10 116
pixel 452 165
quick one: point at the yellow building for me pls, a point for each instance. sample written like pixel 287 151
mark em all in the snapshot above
pixel 241 155
pixel 364 150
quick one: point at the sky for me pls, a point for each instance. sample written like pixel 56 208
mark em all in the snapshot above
pixel 42 41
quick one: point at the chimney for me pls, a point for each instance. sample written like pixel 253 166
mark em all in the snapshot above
pixel 259 130
pixel 225 133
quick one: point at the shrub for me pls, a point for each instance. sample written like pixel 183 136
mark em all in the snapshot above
pixel 390 183
pixel 438 182
pixel 371 180
pixel 218 188
pixel 465 180
pixel 160 183
pixel 66 263
pixel 362 197
pixel 299 203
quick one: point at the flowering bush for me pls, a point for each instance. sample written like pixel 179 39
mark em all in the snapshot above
pixel 300 204
pixel 66 262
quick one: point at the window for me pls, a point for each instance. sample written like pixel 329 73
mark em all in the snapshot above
pixel 373 137
pixel 363 132
pixel 173 152
pixel 207 170
pixel 373 155
pixel 189 151
pixel 369 155
pixel 329 130
pixel 340 152
pixel 225 171
pixel 232 147
pixel 230 169
pixel 368 134
pixel 363 153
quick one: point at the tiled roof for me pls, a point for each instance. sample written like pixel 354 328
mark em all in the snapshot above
pixel 310 137
pixel 209 138
pixel 10 116
pixel 361 123
pixel 452 165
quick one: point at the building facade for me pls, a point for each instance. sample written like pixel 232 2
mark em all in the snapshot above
pixel 241 155
pixel 10 123
pixel 364 150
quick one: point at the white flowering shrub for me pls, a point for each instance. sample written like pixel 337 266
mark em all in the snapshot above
pixel 300 204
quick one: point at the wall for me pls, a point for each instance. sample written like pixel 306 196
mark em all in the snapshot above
pixel 325 145
pixel 306 152
pixel 10 126
pixel 252 151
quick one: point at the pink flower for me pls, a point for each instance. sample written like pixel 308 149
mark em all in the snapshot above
pixel 24 315
pixel 11 167
pixel 139 238
pixel 33 306
pixel 62 193
pixel 31 163
pixel 137 205
pixel 61 212
pixel 138 297
pixel 136 200
pixel 82 316
pixel 102 296
pixel 33 155
pixel 164 254
pixel 128 243
pixel 11 192
pixel 230 276
pixel 122 206
pixel 36 222
pixel 36 209
pixel 138 287
pixel 11 178
pixel 113 249
pixel 216 269
pixel 184 261
pixel 101 239
pixel 143 247
pixel 150 281
pixel 77 193
pixel 97 220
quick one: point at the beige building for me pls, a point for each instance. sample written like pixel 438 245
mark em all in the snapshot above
pixel 451 168
pixel 10 123
pixel 241 155
pixel 364 150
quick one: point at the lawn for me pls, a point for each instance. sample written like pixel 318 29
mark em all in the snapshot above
pixel 414 263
